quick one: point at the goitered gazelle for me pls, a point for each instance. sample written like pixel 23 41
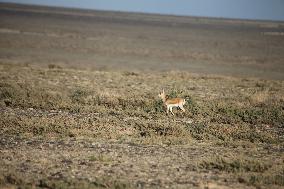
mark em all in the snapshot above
pixel 172 102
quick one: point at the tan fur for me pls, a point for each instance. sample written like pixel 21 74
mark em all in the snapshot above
pixel 173 102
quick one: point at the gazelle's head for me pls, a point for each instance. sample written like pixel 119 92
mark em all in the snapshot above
pixel 162 95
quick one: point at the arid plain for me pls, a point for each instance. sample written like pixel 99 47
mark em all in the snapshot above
pixel 79 104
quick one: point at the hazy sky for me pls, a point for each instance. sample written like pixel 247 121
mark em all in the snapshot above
pixel 249 9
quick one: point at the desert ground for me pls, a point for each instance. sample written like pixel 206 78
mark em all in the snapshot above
pixel 79 104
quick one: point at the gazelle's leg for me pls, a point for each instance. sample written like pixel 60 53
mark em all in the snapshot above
pixel 168 109
pixel 182 108
pixel 171 109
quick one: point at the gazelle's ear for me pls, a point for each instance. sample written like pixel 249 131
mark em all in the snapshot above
pixel 163 91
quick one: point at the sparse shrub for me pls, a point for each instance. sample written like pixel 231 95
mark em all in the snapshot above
pixel 228 114
pixel 99 100
pixel 79 96
pixel 26 96
pixel 81 183
pixel 166 131
pixel 191 105
pixel 161 132
pixel 13 178
pixel 227 132
pixel 44 99
pixel 197 130
pixel 260 85
pixel 175 93
pixel 273 179
pixel 127 73
pixel 54 66
pixel 234 165
pixel 123 103
pixel 157 105
pixel 259 98
pixel 253 136
pixel 75 108
pixel 12 94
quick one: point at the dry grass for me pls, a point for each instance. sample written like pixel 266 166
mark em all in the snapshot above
pixel 123 108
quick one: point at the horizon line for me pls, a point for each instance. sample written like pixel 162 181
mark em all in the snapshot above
pixel 140 12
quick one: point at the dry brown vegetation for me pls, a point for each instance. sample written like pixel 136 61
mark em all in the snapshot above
pixel 108 121
pixel 69 122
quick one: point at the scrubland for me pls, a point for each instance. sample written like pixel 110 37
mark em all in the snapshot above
pixel 79 104
pixel 65 127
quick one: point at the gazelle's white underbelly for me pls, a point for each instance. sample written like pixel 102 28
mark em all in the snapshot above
pixel 172 105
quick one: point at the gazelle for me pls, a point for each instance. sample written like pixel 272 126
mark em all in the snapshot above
pixel 172 102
